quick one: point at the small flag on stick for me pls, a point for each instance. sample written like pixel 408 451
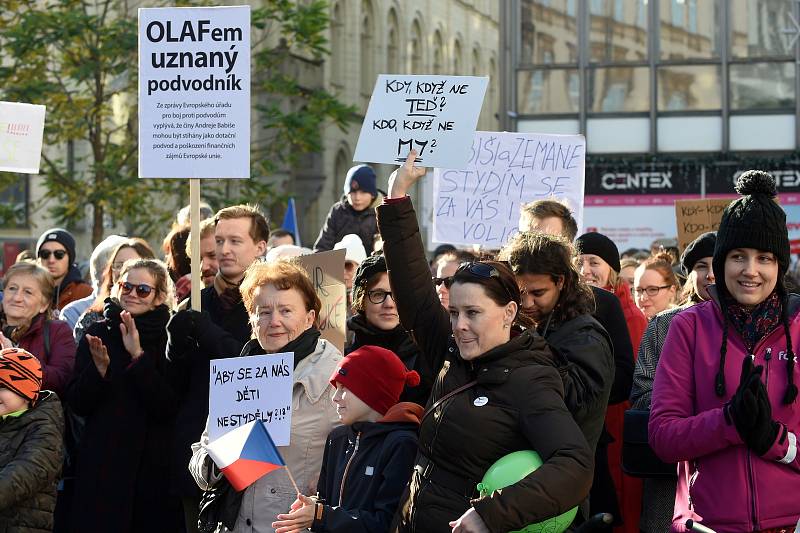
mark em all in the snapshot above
pixel 290 222
pixel 246 454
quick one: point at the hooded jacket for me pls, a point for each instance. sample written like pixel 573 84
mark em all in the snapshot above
pixel 365 469
pixel 343 219
pixel 721 482
pixel 517 404
pixel 30 461
pixel 313 418
pixel 73 287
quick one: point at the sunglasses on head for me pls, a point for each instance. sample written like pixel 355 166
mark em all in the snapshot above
pixel 45 254
pixel 142 290
pixel 477 269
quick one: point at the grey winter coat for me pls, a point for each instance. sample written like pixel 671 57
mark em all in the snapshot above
pixel 31 453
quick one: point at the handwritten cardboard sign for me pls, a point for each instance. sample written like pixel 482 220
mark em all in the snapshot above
pixel 695 217
pixel 21 131
pixel 481 203
pixel 326 270
pixel 435 115
pixel 194 92
pixel 244 389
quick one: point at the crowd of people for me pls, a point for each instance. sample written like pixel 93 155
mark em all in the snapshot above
pixel 625 372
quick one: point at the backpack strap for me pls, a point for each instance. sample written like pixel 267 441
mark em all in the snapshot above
pixel 446 397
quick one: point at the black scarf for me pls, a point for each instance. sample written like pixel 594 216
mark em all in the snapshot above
pixel 152 325
pixel 303 345
pixel 397 340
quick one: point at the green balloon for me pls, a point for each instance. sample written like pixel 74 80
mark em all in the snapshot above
pixel 511 469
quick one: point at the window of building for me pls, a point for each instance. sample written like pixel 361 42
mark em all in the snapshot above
pixel 548 91
pixel 613 38
pixel 14 204
pixel 551 38
pixel 755 28
pixel 689 88
pixel 367 44
pixel 692 36
pixel 438 53
pixel 337 43
pixel 393 43
pixel 619 89
pixel 416 48
pixel 748 89
pixel 458 61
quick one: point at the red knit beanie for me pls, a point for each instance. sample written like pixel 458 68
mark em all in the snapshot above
pixel 376 375
pixel 21 373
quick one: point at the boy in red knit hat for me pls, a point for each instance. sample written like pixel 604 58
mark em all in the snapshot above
pixel 368 460
pixel 31 427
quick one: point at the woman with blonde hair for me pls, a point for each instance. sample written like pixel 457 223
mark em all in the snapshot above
pixel 120 387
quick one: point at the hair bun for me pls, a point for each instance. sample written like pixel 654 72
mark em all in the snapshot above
pixel 412 378
pixel 756 182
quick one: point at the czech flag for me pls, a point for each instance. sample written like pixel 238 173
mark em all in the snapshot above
pixel 246 454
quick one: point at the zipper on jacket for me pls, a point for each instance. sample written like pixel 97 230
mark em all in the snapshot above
pixel 767 358
pixel 751 486
pixel 346 468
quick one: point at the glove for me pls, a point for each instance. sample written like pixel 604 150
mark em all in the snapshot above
pixel 111 312
pixel 181 334
pixel 764 430
pixel 742 408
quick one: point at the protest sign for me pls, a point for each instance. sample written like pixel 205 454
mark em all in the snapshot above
pixel 244 389
pixel 481 203
pixel 194 92
pixel 326 270
pixel 21 131
pixel 435 115
pixel 695 217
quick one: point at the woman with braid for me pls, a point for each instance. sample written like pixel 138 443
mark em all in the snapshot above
pixel 724 402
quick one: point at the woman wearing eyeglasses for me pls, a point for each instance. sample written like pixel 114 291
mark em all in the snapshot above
pixel 375 322
pixel 134 248
pixel 655 285
pixel 724 403
pixel 26 323
pixel 120 387
pixel 495 393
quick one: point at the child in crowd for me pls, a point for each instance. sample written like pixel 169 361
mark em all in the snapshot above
pixel 354 213
pixel 367 461
pixel 31 428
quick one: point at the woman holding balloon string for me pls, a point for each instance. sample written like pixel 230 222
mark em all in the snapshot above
pixel 497 391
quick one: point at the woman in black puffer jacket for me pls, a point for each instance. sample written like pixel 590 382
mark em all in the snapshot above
pixel 511 400
pixel 375 322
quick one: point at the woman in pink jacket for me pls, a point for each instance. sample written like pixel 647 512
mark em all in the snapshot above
pixel 725 395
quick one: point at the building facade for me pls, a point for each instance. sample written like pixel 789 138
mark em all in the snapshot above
pixel 675 98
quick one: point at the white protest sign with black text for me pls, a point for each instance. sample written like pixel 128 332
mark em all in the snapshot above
pixel 481 203
pixel 194 92
pixel 256 387
pixel 21 131
pixel 434 115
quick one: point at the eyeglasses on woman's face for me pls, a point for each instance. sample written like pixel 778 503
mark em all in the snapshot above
pixel 651 291
pixel 378 296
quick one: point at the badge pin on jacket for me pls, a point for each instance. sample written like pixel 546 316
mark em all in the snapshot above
pixel 480 401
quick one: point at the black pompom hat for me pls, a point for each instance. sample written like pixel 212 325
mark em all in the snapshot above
pixel 754 221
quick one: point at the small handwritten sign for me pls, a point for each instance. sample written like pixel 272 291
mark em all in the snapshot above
pixel 21 131
pixel 244 389
pixel 481 203
pixel 695 217
pixel 326 270
pixel 435 115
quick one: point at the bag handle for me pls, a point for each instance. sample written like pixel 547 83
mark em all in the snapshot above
pixel 446 397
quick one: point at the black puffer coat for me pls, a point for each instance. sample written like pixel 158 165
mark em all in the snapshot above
pixel 401 343
pixel 31 452
pixel 342 220
pixel 517 404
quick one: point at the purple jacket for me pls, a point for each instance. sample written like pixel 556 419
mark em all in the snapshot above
pixel 721 483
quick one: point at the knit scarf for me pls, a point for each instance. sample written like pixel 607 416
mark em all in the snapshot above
pixel 753 324
pixel 152 325
pixel 229 294
pixel 303 345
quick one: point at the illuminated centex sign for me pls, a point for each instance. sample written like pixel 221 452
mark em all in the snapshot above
pixel 194 92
